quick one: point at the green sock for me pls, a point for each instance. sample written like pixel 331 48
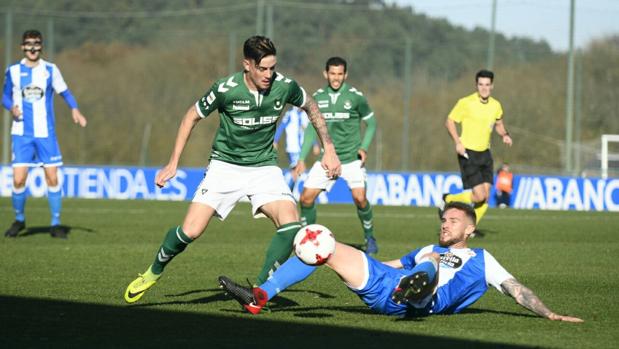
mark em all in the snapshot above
pixel 279 250
pixel 308 215
pixel 365 216
pixel 174 243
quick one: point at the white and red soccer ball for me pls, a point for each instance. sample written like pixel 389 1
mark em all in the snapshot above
pixel 314 244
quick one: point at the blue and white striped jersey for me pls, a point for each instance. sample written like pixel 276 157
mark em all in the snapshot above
pixel 32 89
pixel 464 276
pixel 294 122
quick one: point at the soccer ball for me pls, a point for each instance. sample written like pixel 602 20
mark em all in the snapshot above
pixel 314 244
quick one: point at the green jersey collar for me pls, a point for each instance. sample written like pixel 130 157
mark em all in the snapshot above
pixel 342 88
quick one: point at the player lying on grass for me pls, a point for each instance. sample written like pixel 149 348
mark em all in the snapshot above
pixel 436 279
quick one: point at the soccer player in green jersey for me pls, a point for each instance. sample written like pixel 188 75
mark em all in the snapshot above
pixel 243 161
pixel 344 107
pixel 478 114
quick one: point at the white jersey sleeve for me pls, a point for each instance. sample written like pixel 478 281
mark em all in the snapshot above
pixel 57 81
pixel 422 252
pixel 495 273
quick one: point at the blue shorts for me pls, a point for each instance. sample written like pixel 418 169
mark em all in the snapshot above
pixel 32 151
pixel 382 281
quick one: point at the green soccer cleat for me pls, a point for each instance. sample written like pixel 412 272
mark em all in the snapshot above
pixel 137 287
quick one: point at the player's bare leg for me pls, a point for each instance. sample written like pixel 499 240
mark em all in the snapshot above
pixel 348 263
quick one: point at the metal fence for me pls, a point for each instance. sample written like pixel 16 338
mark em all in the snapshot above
pixel 135 72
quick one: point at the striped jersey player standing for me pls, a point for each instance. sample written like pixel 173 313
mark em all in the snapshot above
pixel 243 161
pixel 28 94
pixel 294 123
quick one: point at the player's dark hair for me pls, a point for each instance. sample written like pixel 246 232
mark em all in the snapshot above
pixel 32 34
pixel 484 74
pixel 468 210
pixel 257 47
pixel 334 62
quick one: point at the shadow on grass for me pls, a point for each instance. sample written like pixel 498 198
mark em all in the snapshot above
pixel 278 302
pixel 283 304
pixel 47 229
pixel 486 311
pixel 30 322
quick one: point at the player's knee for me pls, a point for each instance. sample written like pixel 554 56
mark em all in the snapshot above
pixel 306 200
pixel 287 214
pixel 19 182
pixel 51 181
pixel 193 229
pixel 360 201
pixel 479 198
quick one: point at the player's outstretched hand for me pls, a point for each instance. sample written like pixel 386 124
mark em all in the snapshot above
pixel 78 118
pixel 165 174
pixel 557 317
pixel 331 163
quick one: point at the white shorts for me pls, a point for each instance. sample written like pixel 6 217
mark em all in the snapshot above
pixel 352 172
pixel 226 184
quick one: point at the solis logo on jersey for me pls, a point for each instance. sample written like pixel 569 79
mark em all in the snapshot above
pixel 451 260
pixel 332 116
pixel 240 104
pixel 32 93
pixel 263 120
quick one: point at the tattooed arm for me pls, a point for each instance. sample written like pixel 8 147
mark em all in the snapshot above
pixel 525 297
pixel 330 161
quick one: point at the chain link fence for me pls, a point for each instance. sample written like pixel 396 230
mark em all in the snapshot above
pixel 135 71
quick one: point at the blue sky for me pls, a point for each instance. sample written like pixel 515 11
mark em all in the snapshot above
pixel 537 19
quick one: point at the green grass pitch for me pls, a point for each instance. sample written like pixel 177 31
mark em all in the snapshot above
pixel 68 293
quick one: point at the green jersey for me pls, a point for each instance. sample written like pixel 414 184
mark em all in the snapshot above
pixel 343 111
pixel 247 119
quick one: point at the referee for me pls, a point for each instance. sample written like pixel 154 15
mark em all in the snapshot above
pixel 477 113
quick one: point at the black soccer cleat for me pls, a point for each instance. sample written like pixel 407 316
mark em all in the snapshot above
pixel 57 231
pixel 252 299
pixel 413 288
pixel 241 294
pixel 15 228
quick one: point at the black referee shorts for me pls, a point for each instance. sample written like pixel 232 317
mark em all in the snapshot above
pixel 477 169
